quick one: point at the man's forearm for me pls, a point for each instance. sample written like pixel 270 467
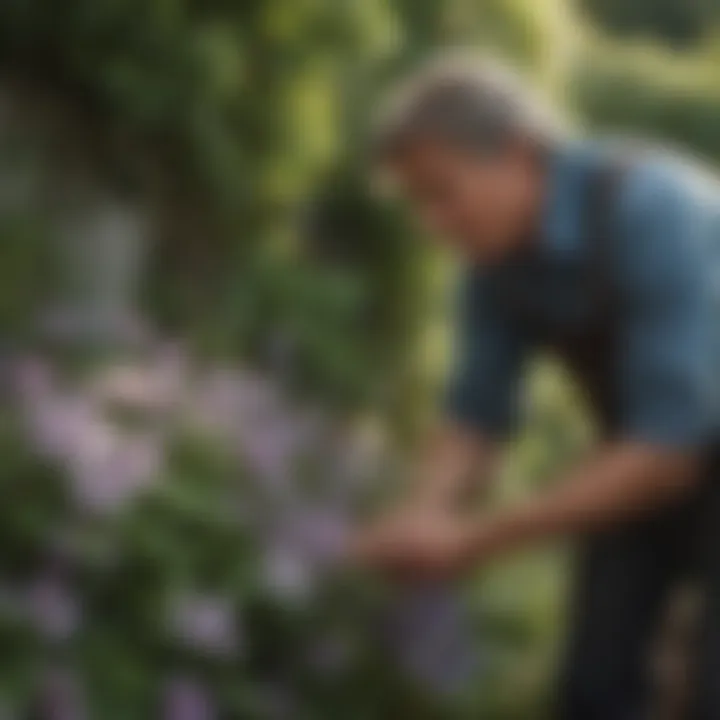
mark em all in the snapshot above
pixel 452 459
pixel 619 483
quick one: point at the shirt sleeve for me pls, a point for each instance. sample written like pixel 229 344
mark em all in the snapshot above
pixel 665 371
pixel 482 392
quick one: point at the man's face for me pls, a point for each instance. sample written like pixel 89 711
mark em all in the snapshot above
pixel 478 206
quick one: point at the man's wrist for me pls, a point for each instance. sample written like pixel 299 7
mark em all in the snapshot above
pixel 499 533
pixel 432 498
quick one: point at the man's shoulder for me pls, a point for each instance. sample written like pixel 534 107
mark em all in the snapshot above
pixel 667 215
pixel 651 184
pixel 658 180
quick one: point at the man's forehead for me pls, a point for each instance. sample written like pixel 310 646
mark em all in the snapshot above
pixel 427 162
pixel 430 158
pixel 428 150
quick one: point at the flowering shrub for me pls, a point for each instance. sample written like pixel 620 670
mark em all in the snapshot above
pixel 170 543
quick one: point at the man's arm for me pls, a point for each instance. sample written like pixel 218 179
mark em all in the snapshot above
pixel 622 481
pixel 619 482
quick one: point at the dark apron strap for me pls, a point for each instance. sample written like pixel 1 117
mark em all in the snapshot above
pixel 600 231
pixel 591 351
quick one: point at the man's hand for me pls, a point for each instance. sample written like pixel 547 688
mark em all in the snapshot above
pixel 426 545
pixel 423 536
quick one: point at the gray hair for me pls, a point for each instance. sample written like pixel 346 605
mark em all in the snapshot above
pixel 472 103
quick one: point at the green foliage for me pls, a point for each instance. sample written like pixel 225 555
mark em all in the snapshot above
pixel 237 126
pixel 228 122
pixel 649 93
pixel 680 22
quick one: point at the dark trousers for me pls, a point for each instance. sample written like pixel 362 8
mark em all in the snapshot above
pixel 624 579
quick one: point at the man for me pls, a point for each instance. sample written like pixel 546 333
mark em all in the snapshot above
pixel 611 258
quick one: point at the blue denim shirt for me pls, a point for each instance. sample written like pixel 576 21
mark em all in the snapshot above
pixel 665 263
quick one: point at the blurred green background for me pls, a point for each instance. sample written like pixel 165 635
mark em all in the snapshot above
pixel 189 174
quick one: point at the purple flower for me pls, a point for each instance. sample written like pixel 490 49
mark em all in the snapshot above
pixel 250 415
pixel 227 399
pixel 319 534
pixel 205 622
pixel 33 378
pixel 186 699
pixel 301 546
pixel 108 468
pixel 62 696
pixel 276 451
pixel 53 608
pixel 57 422
pixel 430 639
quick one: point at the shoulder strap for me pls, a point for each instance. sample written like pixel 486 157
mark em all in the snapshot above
pixel 600 213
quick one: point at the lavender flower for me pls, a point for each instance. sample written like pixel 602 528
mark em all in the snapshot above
pixel 248 413
pixel 57 421
pixel 54 609
pixel 62 696
pixel 33 378
pixel 186 699
pixel 228 399
pixel 429 637
pixel 301 547
pixel 205 622
pixel 320 534
pixel 270 454
pixel 108 468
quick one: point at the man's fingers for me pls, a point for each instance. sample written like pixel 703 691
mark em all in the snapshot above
pixel 369 546
pixel 381 550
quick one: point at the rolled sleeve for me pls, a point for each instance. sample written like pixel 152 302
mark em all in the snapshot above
pixel 482 391
pixel 666 370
